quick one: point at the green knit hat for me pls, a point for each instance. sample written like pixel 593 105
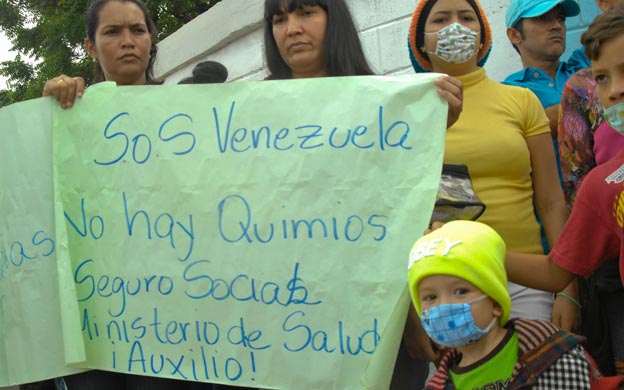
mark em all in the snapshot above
pixel 468 250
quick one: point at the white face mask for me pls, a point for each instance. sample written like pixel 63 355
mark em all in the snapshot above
pixel 456 43
pixel 615 116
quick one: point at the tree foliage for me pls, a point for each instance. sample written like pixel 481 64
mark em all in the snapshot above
pixel 49 35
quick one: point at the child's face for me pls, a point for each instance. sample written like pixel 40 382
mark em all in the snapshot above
pixel 608 71
pixel 436 290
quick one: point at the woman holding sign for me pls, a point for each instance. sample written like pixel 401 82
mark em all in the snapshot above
pixel 502 136
pixel 121 39
pixel 302 40
pixel 318 38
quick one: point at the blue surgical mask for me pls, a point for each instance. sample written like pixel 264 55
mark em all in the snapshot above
pixel 615 116
pixel 452 325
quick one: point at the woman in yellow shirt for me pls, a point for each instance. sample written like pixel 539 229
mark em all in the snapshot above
pixel 502 136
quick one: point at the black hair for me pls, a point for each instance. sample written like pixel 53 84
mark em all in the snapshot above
pixel 93 20
pixel 207 72
pixel 422 19
pixel 342 49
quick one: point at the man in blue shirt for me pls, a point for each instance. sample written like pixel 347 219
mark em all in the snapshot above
pixel 537 30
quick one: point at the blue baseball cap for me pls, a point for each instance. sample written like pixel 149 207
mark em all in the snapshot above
pixel 520 9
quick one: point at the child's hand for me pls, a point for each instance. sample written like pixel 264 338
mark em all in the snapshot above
pixel 566 314
pixel 435 225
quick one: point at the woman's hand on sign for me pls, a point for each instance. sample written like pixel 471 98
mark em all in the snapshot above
pixel 65 89
pixel 451 90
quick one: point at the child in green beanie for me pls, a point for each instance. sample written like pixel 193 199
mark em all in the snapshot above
pixel 458 286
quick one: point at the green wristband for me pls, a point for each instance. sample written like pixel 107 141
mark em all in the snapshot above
pixel 569 298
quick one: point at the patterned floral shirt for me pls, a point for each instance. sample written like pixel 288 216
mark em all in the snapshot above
pixel 579 116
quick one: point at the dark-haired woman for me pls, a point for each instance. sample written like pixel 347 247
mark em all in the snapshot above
pixel 318 38
pixel 314 38
pixel 121 39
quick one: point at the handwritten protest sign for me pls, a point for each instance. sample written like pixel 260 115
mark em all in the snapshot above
pixel 247 233
pixel 30 319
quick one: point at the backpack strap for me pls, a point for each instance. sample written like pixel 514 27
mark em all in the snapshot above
pixel 539 359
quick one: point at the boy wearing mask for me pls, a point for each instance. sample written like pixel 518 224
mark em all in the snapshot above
pixel 459 289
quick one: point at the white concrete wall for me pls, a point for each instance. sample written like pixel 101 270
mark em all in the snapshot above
pixel 231 33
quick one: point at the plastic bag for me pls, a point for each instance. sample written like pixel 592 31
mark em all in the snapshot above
pixel 456 198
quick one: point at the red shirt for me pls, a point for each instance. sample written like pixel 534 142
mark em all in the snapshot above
pixel 593 233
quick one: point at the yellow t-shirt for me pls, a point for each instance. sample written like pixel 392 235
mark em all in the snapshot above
pixel 489 138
